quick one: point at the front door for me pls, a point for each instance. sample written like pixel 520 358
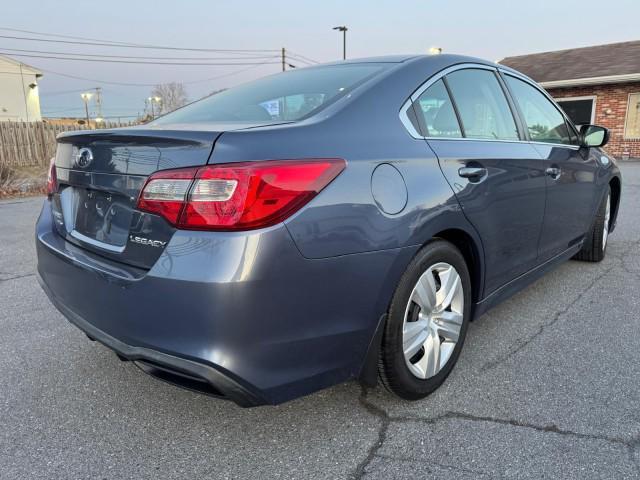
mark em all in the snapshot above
pixel 571 201
pixel 570 171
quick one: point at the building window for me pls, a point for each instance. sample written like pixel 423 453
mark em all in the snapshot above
pixel 579 109
pixel 632 123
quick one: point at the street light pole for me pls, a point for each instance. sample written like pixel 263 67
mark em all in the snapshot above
pixel 343 29
pixel 153 113
pixel 151 101
pixel 85 99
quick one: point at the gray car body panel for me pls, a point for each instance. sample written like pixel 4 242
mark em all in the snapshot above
pixel 293 308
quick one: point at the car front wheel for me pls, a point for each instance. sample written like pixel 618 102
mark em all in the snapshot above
pixel 427 322
pixel 595 242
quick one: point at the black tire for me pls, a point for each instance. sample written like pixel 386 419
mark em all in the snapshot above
pixel 393 370
pixel 594 247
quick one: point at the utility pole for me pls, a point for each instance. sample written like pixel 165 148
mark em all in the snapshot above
pixel 98 101
pixel 24 93
pixel 343 29
pixel 284 60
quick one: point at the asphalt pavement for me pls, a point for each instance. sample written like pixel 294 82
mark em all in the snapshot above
pixel 547 386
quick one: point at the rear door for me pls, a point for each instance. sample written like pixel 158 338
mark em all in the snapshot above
pixel 570 171
pixel 498 179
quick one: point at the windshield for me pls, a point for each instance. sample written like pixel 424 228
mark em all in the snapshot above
pixel 283 97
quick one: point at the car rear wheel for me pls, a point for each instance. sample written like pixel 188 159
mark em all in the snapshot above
pixel 595 242
pixel 427 322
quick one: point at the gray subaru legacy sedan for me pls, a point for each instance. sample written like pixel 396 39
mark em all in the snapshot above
pixel 344 221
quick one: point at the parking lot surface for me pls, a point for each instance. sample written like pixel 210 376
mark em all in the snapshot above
pixel 548 385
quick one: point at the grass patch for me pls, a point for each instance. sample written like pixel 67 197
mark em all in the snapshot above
pixel 22 181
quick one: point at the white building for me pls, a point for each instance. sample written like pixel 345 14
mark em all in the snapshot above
pixel 19 98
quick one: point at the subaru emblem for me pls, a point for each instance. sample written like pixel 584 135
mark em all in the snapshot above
pixel 84 157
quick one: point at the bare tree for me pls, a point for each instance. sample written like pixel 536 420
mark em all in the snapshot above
pixel 168 96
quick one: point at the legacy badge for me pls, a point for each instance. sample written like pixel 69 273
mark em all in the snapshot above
pixel 147 241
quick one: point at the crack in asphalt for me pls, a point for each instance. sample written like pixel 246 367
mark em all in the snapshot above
pixel 550 428
pixel 13 203
pixel 522 343
pixel 380 413
pixel 16 277
pixel 632 445
pixel 632 449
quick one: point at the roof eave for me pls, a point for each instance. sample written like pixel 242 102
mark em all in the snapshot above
pixel 579 82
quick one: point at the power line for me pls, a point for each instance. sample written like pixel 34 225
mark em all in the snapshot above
pixel 63 92
pixel 247 54
pixel 131 84
pixel 228 74
pixel 60 36
pixel 309 60
pixel 260 57
pixel 304 62
pixel 133 45
pixel 118 43
pixel 134 62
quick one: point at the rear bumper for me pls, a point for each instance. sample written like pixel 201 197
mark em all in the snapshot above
pixel 244 313
pixel 170 368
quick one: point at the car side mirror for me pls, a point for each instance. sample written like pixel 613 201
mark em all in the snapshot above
pixel 594 136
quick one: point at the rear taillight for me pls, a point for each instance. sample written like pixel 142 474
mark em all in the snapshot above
pixel 52 178
pixel 236 196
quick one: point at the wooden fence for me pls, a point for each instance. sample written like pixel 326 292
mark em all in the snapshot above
pixel 33 143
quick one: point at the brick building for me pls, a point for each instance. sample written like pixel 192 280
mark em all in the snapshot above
pixel 599 85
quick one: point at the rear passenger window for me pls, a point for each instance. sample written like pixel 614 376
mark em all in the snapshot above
pixel 482 106
pixel 437 113
pixel 544 121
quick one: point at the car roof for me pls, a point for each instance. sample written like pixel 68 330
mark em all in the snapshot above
pixel 443 57
pixel 440 59
pixel 380 59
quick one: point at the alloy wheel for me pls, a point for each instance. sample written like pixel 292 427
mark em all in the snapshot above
pixel 432 321
pixel 607 216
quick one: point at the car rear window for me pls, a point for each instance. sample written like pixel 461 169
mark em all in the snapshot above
pixel 284 97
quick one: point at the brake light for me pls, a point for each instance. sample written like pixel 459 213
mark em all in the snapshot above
pixel 236 196
pixel 165 193
pixel 52 178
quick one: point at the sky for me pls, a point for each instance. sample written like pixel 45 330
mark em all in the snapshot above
pixel 491 29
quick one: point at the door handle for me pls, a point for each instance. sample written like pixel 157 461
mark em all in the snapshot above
pixel 472 173
pixel 553 172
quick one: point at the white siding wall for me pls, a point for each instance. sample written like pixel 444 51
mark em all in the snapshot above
pixel 18 101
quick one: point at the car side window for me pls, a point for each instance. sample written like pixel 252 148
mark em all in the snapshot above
pixel 436 112
pixel 482 105
pixel 572 133
pixel 543 120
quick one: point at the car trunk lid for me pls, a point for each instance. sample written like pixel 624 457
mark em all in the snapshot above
pixel 100 175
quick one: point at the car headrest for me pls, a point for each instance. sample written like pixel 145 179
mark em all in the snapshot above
pixel 446 120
